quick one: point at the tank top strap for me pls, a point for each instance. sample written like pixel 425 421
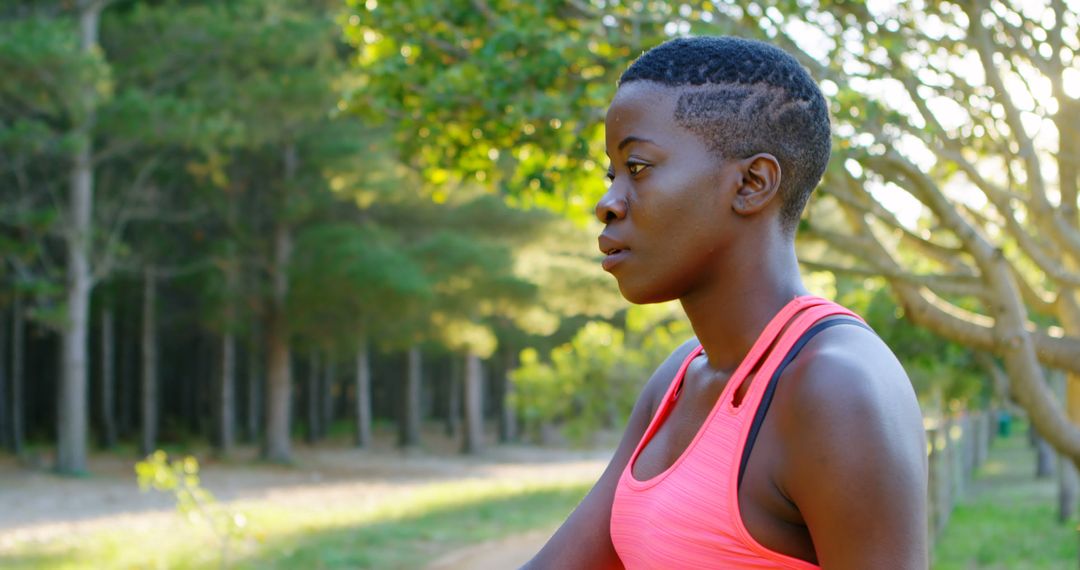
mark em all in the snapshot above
pixel 767 336
pixel 767 339
pixel 764 340
pixel 801 323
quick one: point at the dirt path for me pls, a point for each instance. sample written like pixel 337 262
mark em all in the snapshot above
pixel 36 505
pixel 508 553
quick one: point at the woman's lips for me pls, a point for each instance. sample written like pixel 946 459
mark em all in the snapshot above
pixel 614 257
pixel 614 250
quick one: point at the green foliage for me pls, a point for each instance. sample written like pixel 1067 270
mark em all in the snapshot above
pixel 233 64
pixel 509 96
pixel 193 502
pixel 593 381
pixel 348 277
pixel 46 76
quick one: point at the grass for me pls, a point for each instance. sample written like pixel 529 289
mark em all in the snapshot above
pixel 407 540
pixel 397 531
pixel 1009 519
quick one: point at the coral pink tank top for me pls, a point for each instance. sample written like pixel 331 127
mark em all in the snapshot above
pixel 688 515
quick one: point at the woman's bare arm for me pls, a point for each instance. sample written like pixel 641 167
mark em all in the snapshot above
pixel 857 462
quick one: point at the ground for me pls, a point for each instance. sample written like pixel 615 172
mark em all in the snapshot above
pixel 446 511
pixel 1009 518
pixel 37 506
pixel 508 552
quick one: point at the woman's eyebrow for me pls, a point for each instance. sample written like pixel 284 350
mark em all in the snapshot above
pixel 632 139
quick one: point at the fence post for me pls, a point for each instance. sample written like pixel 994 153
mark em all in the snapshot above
pixel 944 473
pixel 982 440
pixel 932 459
pixel 940 475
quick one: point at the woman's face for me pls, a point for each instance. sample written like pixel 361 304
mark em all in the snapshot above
pixel 668 210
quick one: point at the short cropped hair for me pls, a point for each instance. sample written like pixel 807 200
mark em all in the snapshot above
pixel 754 98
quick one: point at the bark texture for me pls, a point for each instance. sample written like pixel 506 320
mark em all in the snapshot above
pixel 311 399
pixel 18 356
pixel 72 406
pixel 409 435
pixel 508 417
pixel 453 400
pixel 227 395
pixel 254 389
pixel 5 404
pixel 278 358
pixel 474 405
pixel 149 402
pixel 107 395
pixel 363 395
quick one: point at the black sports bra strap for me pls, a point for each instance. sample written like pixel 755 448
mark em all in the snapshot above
pixel 770 389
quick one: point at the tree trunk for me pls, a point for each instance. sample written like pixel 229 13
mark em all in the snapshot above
pixel 312 399
pixel 149 363
pixel 227 395
pixel 18 355
pixel 453 401
pixel 1044 457
pixel 326 397
pixel 508 417
pixel 278 368
pixel 1068 487
pixel 474 408
pixel 204 397
pixel 410 419
pixel 227 386
pixel 5 404
pixel 72 406
pixel 127 389
pixel 1066 470
pixel 363 395
pixel 279 358
pixel 254 393
pixel 108 377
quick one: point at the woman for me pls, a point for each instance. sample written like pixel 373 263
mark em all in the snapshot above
pixel 786 434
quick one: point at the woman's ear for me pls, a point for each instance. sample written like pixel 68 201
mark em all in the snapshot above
pixel 760 184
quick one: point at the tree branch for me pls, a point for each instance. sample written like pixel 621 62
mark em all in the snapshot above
pixel 1066 236
pixel 961 285
pixel 927 309
pixel 123 216
pixel 947 256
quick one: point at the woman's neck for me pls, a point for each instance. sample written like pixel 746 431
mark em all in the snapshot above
pixel 728 316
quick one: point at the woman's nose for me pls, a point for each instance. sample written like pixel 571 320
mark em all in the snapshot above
pixel 612 206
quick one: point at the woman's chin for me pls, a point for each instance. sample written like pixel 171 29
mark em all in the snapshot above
pixel 644 296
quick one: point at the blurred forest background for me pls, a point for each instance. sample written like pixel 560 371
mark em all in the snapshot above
pixel 274 223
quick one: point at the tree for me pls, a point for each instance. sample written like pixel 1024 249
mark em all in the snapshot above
pixel 533 132
pixel 536 146
pixel 471 261
pixel 350 277
pixel 63 103
pixel 59 115
pixel 930 102
pixel 931 105
pixel 277 59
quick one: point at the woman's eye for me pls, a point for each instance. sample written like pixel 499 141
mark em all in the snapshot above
pixel 610 175
pixel 635 167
